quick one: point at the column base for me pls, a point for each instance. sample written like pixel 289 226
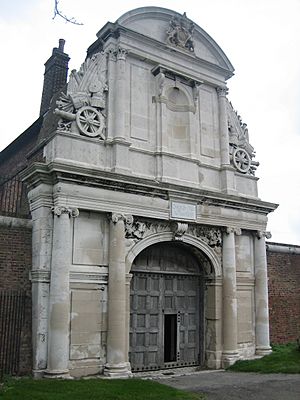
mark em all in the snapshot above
pixel 263 350
pixel 117 371
pixel 213 359
pixel 38 373
pixel 57 374
pixel 229 358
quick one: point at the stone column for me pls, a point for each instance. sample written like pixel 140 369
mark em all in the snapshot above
pixel 230 352
pixel 227 173
pixel 42 226
pixel 128 281
pixel 161 121
pixel 121 141
pixel 117 356
pixel 120 93
pixel 223 124
pixel 111 78
pixel 59 300
pixel 261 294
pixel 213 316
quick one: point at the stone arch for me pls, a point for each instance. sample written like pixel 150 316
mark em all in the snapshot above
pixel 197 243
pixel 204 327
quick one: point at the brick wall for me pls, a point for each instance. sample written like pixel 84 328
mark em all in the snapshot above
pixel 15 264
pixel 284 296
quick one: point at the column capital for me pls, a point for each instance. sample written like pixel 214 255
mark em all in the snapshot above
pixel 117 53
pixel 71 211
pixel 222 91
pixel 121 53
pixel 111 52
pixel 116 217
pixel 229 229
pixel 263 234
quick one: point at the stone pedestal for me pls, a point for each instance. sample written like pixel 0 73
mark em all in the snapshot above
pixel 230 352
pixel 261 295
pixel 117 349
pixel 59 300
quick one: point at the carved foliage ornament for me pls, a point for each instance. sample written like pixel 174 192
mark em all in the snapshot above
pixel 180 32
pixel 209 235
pixel 82 109
pixel 135 229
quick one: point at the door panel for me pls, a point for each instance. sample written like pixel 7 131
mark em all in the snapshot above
pixel 166 281
pixel 154 296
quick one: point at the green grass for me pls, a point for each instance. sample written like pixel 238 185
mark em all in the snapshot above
pixel 90 389
pixel 284 359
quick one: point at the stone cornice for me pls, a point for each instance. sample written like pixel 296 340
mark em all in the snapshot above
pixel 69 173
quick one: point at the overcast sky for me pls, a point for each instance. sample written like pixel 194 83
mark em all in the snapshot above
pixel 260 37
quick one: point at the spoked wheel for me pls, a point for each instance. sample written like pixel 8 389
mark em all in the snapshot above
pixel 90 121
pixel 241 160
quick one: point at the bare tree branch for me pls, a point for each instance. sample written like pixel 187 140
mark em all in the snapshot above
pixel 72 20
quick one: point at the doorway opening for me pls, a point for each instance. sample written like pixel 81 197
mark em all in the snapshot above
pixel 166 308
pixel 170 338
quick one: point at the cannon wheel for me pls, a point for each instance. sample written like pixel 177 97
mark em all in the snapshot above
pixel 90 121
pixel 241 160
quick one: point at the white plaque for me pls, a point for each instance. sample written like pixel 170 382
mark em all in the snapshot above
pixel 183 211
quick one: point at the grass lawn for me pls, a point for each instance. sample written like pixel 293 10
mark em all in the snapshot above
pixel 284 359
pixel 90 389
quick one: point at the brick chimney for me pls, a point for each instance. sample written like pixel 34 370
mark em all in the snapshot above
pixel 55 77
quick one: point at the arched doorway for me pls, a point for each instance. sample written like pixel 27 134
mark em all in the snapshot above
pixel 166 308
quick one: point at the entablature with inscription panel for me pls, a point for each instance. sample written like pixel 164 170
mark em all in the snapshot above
pixel 88 188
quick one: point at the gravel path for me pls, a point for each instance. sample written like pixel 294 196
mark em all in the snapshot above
pixel 221 385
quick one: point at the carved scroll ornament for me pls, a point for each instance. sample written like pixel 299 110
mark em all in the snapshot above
pixel 71 211
pixel 263 234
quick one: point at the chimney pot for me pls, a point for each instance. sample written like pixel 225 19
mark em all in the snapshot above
pixel 61 44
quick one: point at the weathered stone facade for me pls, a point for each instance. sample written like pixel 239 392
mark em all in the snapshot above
pixel 147 151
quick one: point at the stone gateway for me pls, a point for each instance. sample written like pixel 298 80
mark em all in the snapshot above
pixel 148 232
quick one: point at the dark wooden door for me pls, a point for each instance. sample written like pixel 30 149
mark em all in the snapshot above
pixel 165 311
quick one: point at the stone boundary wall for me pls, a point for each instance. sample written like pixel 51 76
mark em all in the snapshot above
pixel 15 264
pixel 284 292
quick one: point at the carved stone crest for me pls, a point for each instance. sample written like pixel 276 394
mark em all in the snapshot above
pixel 180 32
pixel 82 109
